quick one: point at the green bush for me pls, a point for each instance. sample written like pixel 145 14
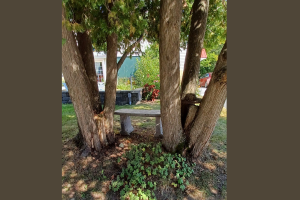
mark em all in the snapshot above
pixel 147 68
pixel 150 93
pixel 146 165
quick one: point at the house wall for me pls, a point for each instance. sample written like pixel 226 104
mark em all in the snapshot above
pixel 128 67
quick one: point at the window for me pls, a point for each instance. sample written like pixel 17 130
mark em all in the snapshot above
pixel 99 71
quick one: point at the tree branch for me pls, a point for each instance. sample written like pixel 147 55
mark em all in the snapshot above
pixel 128 50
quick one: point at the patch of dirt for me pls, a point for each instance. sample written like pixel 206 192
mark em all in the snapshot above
pixel 90 177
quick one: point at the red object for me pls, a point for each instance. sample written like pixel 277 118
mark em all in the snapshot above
pixel 204 81
pixel 147 90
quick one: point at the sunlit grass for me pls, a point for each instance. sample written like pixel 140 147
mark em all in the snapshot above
pixel 69 122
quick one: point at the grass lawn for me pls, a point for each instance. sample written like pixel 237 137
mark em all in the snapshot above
pixel 90 177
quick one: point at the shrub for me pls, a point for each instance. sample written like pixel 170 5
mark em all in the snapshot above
pixel 147 68
pixel 146 165
pixel 150 93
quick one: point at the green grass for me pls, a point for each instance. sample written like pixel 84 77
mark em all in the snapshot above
pixel 69 122
pixel 213 175
pixel 69 119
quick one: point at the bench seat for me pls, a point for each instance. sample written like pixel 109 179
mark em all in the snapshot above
pixel 126 126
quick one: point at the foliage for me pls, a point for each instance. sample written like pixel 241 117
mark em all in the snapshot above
pixel 124 84
pixel 216 27
pixel 145 164
pixel 121 86
pixel 126 18
pixel 209 63
pixel 150 93
pixel 148 67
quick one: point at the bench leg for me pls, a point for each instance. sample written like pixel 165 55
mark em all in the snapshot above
pixel 159 131
pixel 126 127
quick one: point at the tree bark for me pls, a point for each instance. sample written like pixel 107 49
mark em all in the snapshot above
pixel 192 60
pixel 86 51
pixel 111 86
pixel 169 44
pixel 79 88
pixel 210 106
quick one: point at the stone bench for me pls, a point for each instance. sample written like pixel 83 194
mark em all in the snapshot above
pixel 126 126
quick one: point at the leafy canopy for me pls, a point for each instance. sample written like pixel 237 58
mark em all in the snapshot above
pixel 216 27
pixel 100 18
pixel 209 63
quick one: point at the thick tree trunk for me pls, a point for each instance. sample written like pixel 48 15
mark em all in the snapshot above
pixel 169 44
pixel 79 88
pixel 86 51
pixel 210 106
pixel 110 86
pixel 192 60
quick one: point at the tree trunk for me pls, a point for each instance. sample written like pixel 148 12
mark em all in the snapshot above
pixel 110 86
pixel 210 106
pixel 169 44
pixel 79 88
pixel 192 60
pixel 86 51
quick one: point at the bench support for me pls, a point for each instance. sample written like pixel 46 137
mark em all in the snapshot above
pixel 159 131
pixel 126 127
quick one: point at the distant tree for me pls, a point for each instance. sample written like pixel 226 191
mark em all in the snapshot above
pixel 147 68
pixel 210 62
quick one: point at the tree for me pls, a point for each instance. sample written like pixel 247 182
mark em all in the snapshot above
pixel 198 121
pixel 210 107
pixel 169 44
pixel 104 26
pixel 147 68
pixel 113 26
pixel 192 60
pixel 80 90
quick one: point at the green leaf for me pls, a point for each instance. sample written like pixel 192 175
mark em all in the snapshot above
pixel 174 184
pixel 182 187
